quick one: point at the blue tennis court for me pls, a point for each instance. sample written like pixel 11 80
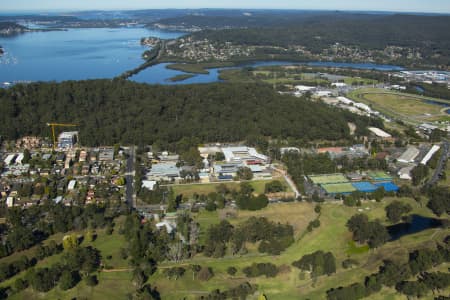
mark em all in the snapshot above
pixel 388 186
pixel 365 187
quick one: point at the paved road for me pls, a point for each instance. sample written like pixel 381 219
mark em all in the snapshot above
pixel 129 194
pixel 441 164
pixel 289 181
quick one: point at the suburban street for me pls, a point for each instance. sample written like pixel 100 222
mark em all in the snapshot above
pixel 441 164
pixel 129 196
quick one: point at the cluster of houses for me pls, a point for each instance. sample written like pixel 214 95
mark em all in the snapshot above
pixel 77 173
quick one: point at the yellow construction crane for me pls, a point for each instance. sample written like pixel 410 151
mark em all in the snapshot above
pixel 53 125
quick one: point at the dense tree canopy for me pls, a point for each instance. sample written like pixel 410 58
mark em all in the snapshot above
pixel 110 112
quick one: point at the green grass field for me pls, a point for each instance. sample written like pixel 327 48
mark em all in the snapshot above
pixel 338 188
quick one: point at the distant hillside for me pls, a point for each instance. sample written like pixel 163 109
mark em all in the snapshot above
pixel 374 32
pixel 250 19
pixel 408 40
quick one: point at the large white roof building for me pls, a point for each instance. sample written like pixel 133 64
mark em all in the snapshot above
pixel 379 133
pixel 430 154
pixel 409 155
pixel 240 154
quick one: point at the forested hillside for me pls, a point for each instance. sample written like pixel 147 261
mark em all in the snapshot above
pixel 122 111
pixel 369 33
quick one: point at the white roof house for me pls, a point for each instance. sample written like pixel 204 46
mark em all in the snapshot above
pixel 409 155
pixel 427 127
pixel 170 227
pixel 305 88
pixel 379 133
pixel 71 185
pixel 9 159
pixel 339 84
pixel 149 184
pixel 58 199
pixel 430 154
pixel 345 100
pixel 19 158
pixel 285 150
pixel 363 106
pixel 10 201
pixel 405 173
pixel 323 93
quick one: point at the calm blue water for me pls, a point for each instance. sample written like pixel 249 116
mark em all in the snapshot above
pixel 415 224
pixel 73 55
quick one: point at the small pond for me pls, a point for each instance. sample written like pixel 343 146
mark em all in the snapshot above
pixel 414 224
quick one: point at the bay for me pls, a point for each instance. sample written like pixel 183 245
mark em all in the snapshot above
pixel 75 54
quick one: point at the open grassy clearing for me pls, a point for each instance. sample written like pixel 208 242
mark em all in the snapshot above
pixel 404 104
pixel 410 108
